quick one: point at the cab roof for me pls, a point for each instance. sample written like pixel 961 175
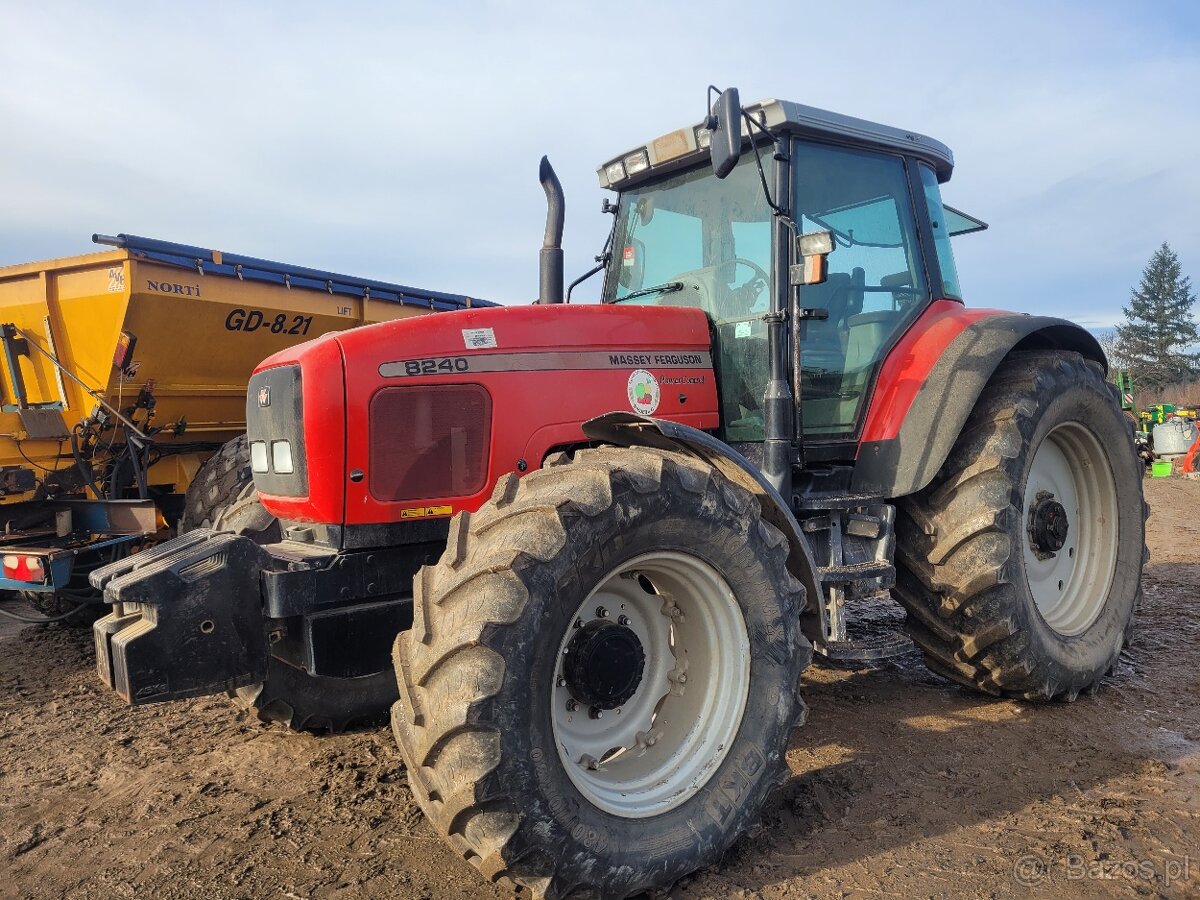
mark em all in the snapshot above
pixel 687 146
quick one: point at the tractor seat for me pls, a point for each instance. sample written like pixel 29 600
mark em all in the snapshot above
pixel 825 339
pixel 866 335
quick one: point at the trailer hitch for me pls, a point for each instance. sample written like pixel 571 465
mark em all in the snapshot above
pixel 187 618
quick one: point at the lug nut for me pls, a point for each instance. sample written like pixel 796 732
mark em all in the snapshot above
pixel 572 706
pixel 562 682
pixel 623 620
pixel 601 612
pixel 596 713
pixel 579 623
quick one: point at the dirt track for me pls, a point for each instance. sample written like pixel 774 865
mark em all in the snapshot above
pixel 903 784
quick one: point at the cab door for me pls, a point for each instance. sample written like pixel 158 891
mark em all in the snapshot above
pixel 877 283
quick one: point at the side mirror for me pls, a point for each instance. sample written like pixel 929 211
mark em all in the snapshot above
pixel 725 123
pixel 813 249
pixel 645 209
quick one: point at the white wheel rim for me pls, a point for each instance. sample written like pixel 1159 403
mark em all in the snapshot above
pixel 663 744
pixel 1071 586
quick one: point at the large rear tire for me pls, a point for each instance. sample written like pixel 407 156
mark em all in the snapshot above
pixel 223 497
pixel 1020 564
pixel 602 674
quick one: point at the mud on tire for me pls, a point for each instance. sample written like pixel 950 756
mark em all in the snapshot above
pixel 477 671
pixel 304 702
pixel 961 542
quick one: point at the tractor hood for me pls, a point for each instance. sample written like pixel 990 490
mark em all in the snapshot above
pixel 438 407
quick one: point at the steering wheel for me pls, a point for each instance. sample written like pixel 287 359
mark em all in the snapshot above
pixel 742 298
pixel 762 273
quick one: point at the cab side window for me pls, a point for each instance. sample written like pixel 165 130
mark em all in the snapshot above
pixel 876 284
pixel 941 233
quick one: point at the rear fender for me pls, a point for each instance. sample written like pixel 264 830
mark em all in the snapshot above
pixel 631 430
pixel 895 461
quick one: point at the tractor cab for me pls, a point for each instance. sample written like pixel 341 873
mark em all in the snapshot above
pixel 684 236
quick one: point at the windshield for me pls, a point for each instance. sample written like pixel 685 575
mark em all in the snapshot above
pixel 695 240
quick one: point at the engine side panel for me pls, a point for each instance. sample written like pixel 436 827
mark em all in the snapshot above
pixel 545 371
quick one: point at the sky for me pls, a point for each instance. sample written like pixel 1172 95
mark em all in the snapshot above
pixel 401 141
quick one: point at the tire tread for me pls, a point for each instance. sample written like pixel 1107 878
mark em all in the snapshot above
pixel 953 550
pixel 445 662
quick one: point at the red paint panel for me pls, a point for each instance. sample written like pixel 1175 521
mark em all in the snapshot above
pixel 910 362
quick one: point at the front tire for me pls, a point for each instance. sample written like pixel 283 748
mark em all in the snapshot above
pixel 218 484
pixel 225 499
pixel 1000 596
pixel 669 570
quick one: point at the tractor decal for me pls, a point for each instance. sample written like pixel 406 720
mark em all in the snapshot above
pixel 643 392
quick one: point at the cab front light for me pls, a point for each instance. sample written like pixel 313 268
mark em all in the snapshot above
pixel 281 458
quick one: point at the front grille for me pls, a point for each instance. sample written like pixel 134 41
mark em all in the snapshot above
pixel 275 413
pixel 429 442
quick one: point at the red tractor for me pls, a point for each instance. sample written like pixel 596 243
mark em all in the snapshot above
pixel 598 619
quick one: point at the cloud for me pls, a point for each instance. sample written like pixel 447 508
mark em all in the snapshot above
pixel 402 143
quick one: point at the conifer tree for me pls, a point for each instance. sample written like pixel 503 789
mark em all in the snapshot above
pixel 1159 337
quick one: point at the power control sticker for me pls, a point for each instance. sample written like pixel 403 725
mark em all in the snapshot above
pixel 643 392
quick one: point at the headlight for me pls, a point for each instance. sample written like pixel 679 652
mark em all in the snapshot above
pixel 258 456
pixel 281 458
pixel 637 162
pixel 615 172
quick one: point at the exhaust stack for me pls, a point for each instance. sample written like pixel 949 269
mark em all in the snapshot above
pixel 550 264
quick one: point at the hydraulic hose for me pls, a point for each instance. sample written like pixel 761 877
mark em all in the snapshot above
pixel 85 470
pixel 41 620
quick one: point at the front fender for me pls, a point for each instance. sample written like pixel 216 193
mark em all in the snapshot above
pixel 631 430
pixel 904 447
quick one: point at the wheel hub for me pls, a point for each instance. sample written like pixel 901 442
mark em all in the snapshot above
pixel 1072 528
pixel 1048 525
pixel 603 665
pixel 679 684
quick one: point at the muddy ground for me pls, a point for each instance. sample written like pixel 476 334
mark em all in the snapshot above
pixel 903 785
